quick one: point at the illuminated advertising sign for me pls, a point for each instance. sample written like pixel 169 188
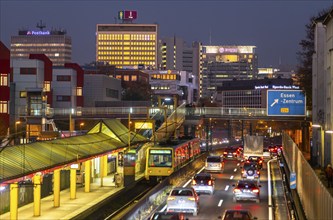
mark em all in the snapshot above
pixel 228 49
pixel 127 15
pixel 38 32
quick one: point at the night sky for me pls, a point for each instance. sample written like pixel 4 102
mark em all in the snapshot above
pixel 274 27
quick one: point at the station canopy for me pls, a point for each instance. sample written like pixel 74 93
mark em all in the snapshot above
pixel 106 136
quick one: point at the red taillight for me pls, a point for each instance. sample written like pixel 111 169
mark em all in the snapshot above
pixel 260 161
pixel 210 182
pixel 225 152
pixel 194 182
pixel 255 190
pixel 236 190
pixel 258 172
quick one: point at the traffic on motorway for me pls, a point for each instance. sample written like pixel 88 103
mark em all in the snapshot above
pixel 230 188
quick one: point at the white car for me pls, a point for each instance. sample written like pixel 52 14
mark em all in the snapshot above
pixel 184 200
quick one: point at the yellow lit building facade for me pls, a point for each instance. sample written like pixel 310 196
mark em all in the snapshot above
pixel 127 45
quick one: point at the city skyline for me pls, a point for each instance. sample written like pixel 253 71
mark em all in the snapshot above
pixel 274 27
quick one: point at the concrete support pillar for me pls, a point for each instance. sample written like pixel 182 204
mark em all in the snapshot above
pixel 37 180
pixel 87 175
pixel 56 188
pixel 13 201
pixel 73 184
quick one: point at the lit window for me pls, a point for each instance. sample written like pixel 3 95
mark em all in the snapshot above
pixel 3 107
pixel 134 78
pixel 47 86
pixel 23 94
pixel 79 91
pixel 126 78
pixel 3 80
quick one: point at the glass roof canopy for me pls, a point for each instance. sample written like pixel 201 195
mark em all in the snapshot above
pixel 22 160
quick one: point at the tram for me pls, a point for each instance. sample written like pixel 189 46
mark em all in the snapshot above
pixel 162 161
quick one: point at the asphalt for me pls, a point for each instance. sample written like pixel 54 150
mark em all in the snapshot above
pixel 72 208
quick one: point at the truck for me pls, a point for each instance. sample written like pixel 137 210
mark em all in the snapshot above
pixel 253 146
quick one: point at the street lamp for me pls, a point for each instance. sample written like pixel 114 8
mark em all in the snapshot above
pixel 319 152
pixel 16 123
pixel 81 125
pixel 129 127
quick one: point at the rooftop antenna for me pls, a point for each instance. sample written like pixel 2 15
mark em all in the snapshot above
pixel 41 25
pixel 115 20
pixel 210 36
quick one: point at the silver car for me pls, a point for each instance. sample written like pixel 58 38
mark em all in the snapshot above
pixel 214 164
pixel 184 200
pixel 246 190
pixel 203 183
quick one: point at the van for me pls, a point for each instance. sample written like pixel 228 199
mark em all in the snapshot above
pixel 214 164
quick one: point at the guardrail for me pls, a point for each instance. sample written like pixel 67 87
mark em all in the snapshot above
pixel 314 197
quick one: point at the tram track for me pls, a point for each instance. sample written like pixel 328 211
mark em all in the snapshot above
pixel 121 201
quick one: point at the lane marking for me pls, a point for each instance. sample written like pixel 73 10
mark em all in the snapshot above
pixel 231 177
pixel 235 169
pixel 270 208
pixel 164 208
pixel 226 188
pixel 238 164
pixel 220 203
pixel 188 182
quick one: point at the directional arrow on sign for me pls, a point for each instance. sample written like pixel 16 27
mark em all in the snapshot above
pixel 275 102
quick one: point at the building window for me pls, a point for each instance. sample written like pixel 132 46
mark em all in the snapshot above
pixel 63 98
pixel 79 91
pixel 47 86
pixel 28 71
pixel 112 93
pixel 134 78
pixel 118 76
pixel 23 94
pixel 63 78
pixel 126 77
pixel 3 80
pixel 3 107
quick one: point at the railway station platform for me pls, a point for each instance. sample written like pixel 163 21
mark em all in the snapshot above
pixel 72 208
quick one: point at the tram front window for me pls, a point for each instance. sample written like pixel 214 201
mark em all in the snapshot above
pixel 160 158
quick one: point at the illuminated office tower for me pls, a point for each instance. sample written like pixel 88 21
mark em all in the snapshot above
pixel 55 44
pixel 226 63
pixel 127 45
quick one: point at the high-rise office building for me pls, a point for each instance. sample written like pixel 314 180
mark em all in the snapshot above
pixel 127 45
pixel 223 63
pixel 175 54
pixel 55 44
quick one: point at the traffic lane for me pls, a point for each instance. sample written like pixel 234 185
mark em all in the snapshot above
pixel 213 206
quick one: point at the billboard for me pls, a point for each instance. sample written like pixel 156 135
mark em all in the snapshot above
pixel 285 103
pixel 127 15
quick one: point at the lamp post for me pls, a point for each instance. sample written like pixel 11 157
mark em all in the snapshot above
pixel 129 128
pixel 16 123
pixel 320 151
pixel 81 125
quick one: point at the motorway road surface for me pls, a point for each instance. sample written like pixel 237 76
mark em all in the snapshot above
pixel 213 206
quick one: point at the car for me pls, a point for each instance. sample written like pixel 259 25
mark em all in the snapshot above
pixel 230 153
pixel 203 183
pixel 266 154
pixel 183 200
pixel 257 159
pixel 214 164
pixel 240 214
pixel 273 151
pixel 246 190
pixel 250 171
pixel 167 216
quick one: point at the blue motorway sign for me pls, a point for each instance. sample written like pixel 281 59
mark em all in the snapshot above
pixel 285 103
